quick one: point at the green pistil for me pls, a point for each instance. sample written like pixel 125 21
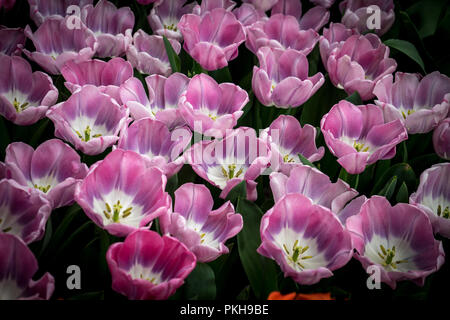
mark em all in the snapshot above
pixel 87 134
pixel 230 174
pixel 44 189
pixel 202 237
pixel 288 158
pixel 388 255
pixel 360 147
pixel 213 117
pixel 115 212
pixel 171 27
pixel 297 254
pixel 152 280
pixel 444 214
pixel 20 107
pixel 409 112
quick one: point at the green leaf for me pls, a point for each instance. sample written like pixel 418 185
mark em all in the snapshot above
pixel 221 75
pixel 426 15
pixel 4 134
pixel 239 191
pixel 389 188
pixel 98 295
pixel 355 98
pixel 174 59
pixel 407 48
pixel 201 283
pixel 402 171
pixel 260 271
pixel 305 161
pixel 402 194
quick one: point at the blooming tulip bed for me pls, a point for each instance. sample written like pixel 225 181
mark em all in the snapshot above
pixel 218 149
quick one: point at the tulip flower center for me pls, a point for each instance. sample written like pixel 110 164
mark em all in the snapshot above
pixel 444 213
pixel 296 254
pixel 171 27
pixel 87 134
pixel 20 106
pixel 360 146
pixel 3 228
pixel 407 113
pixel 44 189
pixel 388 255
pixel 115 212
pixel 231 172
pixel 288 158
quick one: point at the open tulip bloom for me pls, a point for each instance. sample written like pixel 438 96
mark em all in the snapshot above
pixel 22 213
pixel 162 100
pixel 40 10
pixel 316 186
pixel 208 5
pixel 193 222
pixel 108 76
pixel 433 197
pixel 56 44
pixel 419 103
pixel 53 169
pixel 90 120
pixel 287 139
pixel 18 266
pixel 211 108
pixel 306 240
pixel 147 266
pixel 212 39
pixel 123 193
pixel 153 139
pixel 441 139
pixel 397 240
pixel 111 26
pixel 25 96
pixel 359 136
pixel 282 78
pixel 239 156
pixel 247 14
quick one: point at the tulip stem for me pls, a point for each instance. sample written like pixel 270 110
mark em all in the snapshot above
pixel 405 152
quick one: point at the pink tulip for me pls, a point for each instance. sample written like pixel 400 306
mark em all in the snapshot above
pixel 263 5
pixel 359 136
pixel 193 222
pixel 17 268
pixel 90 120
pixel 209 5
pixel 247 14
pixel 147 266
pixel 212 39
pixel 419 103
pixel 397 241
pixel 57 44
pixel 306 240
pixel 25 96
pixel 122 193
pixel 40 10
pixel 12 40
pixel 282 78
pixel 315 18
pixel 441 139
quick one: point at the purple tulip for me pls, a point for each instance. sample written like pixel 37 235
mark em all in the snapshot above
pixel 17 268
pixel 357 14
pixel 433 197
pixel 152 139
pixel 215 107
pixel 287 139
pixel 209 5
pixel 40 10
pixel 315 18
pixel 247 14
pixel 123 193
pixel 359 64
pixel 282 78
pixel 12 40
pixel 53 169
pixel 90 120
pixel 57 44
pixel 22 213
pixel 359 136
pixel 332 38
pixel 283 32
pixel 193 222
pixel 110 26
pixel 313 184
pixel 305 239
pixel 240 156
pixel 262 5
pixel 148 54
pixel 162 102
pixel 25 96
pixel 147 266
pixel 398 241
pixel 441 139
pixel 165 15
pixel 419 103
pixel 108 76
pixel 323 3
pixel 212 39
